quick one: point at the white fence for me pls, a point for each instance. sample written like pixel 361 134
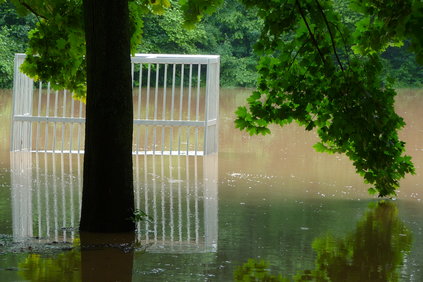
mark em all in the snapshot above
pixel 176 99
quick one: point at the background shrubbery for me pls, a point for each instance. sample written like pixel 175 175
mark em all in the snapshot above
pixel 231 32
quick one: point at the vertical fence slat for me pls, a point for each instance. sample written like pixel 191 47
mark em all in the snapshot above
pixel 179 201
pixel 47 114
pixel 62 185
pixel 181 98
pixel 189 105
pixel 172 108
pixel 72 204
pixel 163 200
pixel 55 206
pixel 156 94
pixel 79 184
pixel 196 210
pixel 146 204
pixel 187 198
pixel 46 195
pixel 147 106
pixel 137 192
pixel 197 107
pixel 72 115
pixel 139 109
pixel 56 101
pixel 79 128
pixel 155 229
pixel 37 136
pixel 164 106
pixel 38 187
pixel 132 74
pixel 63 123
pixel 171 208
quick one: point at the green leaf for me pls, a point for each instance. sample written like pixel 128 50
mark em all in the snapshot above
pixel 372 191
pixel 319 147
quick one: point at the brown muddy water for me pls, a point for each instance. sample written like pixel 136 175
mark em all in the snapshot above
pixel 272 198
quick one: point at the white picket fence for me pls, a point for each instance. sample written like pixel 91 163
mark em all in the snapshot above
pixel 176 106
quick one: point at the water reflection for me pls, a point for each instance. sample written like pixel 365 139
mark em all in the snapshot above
pixel 276 195
pixel 64 266
pixel 95 257
pixel 178 192
pixel 46 196
pixel 375 251
pixel 107 257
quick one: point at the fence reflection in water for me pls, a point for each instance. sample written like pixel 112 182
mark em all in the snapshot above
pixel 178 192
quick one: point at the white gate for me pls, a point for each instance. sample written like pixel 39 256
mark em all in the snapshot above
pixel 176 99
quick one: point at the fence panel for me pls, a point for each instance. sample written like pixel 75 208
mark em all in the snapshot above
pixel 176 100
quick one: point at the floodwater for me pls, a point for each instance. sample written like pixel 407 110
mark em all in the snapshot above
pixel 271 198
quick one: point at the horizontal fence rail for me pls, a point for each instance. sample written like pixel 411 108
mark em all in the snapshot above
pixel 176 99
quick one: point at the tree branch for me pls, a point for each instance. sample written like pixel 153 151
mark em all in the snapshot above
pixel 313 39
pixel 330 34
pixel 295 56
pixel 29 8
pixel 344 41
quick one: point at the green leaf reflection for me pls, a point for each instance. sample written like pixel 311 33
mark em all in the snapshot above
pixel 65 266
pixel 374 251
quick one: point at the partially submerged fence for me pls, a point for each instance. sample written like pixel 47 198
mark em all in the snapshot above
pixel 179 193
pixel 176 99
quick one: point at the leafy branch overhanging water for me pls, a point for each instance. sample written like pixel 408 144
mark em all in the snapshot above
pixel 326 75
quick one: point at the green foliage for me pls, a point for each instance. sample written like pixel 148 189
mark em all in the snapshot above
pixel 374 251
pixel 400 66
pixel 230 32
pixel 254 270
pixel 57 46
pixel 316 66
pixel 140 216
pixel 310 74
pixel 18 26
pixel 194 10
pixel 388 23
pixel 13 39
pixel 56 50
pixel 165 33
pixel 65 266
pixel 6 58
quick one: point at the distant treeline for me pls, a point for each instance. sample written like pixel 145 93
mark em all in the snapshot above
pixel 231 33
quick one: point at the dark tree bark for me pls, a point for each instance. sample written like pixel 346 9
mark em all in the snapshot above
pixel 108 197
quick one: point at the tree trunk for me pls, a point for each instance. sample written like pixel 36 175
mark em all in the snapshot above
pixel 108 196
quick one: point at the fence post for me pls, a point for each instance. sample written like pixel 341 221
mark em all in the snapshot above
pixel 21 105
pixel 212 108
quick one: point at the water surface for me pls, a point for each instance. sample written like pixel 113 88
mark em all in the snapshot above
pixel 262 197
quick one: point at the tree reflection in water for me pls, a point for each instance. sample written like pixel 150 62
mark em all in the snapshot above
pixel 95 257
pixel 107 257
pixel 180 192
pixel 65 266
pixel 375 251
